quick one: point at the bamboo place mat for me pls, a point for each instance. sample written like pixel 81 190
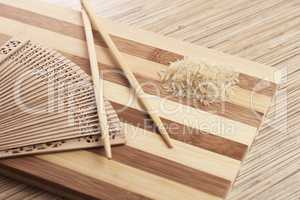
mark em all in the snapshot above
pixel 265 31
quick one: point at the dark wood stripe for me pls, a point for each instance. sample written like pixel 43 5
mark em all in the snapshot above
pixel 183 133
pixel 178 131
pixel 224 109
pixel 165 57
pixel 257 85
pixel 171 170
pixel 127 46
pixel 50 176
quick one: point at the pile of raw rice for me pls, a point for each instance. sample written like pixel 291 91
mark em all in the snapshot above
pixel 198 81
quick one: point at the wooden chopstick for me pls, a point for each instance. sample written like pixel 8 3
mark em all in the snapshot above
pixel 97 83
pixel 129 75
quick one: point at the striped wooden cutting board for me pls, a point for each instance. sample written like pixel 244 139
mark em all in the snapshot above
pixel 210 142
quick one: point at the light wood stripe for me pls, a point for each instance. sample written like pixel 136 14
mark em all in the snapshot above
pixel 169 44
pixel 124 176
pixel 136 64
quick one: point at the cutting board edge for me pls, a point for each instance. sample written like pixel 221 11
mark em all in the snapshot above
pixel 42 184
pixel 251 144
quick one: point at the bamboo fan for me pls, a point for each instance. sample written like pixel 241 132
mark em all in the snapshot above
pixel 47 103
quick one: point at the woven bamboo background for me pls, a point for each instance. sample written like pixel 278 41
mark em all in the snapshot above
pixel 265 31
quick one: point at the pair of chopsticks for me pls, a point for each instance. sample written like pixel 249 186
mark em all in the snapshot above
pixel 89 16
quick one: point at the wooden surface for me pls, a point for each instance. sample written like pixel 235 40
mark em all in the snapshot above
pixel 210 141
pixel 288 172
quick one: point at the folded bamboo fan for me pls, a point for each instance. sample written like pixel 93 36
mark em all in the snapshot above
pixel 47 103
